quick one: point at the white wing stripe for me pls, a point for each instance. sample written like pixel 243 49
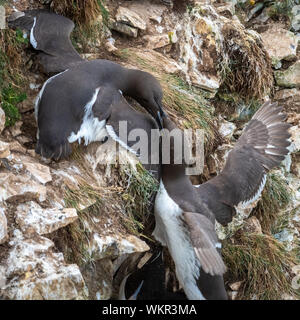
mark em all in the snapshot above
pixel 257 194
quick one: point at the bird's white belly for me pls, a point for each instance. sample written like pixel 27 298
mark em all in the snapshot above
pixel 170 231
pixel 91 129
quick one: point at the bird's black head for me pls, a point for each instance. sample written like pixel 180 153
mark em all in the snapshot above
pixel 146 90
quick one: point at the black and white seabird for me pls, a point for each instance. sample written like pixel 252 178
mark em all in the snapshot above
pixel 76 103
pixel 148 282
pixel 185 215
pixel 49 35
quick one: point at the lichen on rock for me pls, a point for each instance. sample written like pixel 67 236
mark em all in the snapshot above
pixel 289 78
pixel 3 226
pixel 35 272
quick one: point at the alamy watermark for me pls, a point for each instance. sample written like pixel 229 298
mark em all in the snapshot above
pixel 153 147
pixel 2 17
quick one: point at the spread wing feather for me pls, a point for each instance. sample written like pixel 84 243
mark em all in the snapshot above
pixel 262 146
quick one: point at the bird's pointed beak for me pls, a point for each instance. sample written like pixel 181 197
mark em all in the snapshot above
pixel 160 115
pixel 159 120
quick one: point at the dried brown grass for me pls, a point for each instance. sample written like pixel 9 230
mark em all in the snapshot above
pixel 11 58
pixel 80 11
pixel 247 69
pixel 275 197
pixel 262 263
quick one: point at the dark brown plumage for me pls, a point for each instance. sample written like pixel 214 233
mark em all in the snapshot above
pixel 63 107
pixel 120 112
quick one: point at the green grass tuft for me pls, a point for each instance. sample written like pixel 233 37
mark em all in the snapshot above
pixel 20 37
pixel 263 264
pixel 139 188
pixel 10 97
pixel 126 203
pixel 3 71
pixel 76 236
pixel 90 18
pixel 275 197
pixel 246 68
pixel 104 12
pixel 11 74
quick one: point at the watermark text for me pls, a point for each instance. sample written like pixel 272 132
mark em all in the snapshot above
pixel 2 17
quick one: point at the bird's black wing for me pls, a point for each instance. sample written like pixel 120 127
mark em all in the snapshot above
pixel 261 147
pixel 58 129
pixel 205 242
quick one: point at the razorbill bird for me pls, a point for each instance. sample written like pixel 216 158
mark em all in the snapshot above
pixel 185 215
pixel 141 131
pixel 76 103
pixel 68 98
pixel 49 35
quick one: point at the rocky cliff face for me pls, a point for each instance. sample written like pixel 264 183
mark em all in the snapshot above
pixel 73 207
pixel 67 227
